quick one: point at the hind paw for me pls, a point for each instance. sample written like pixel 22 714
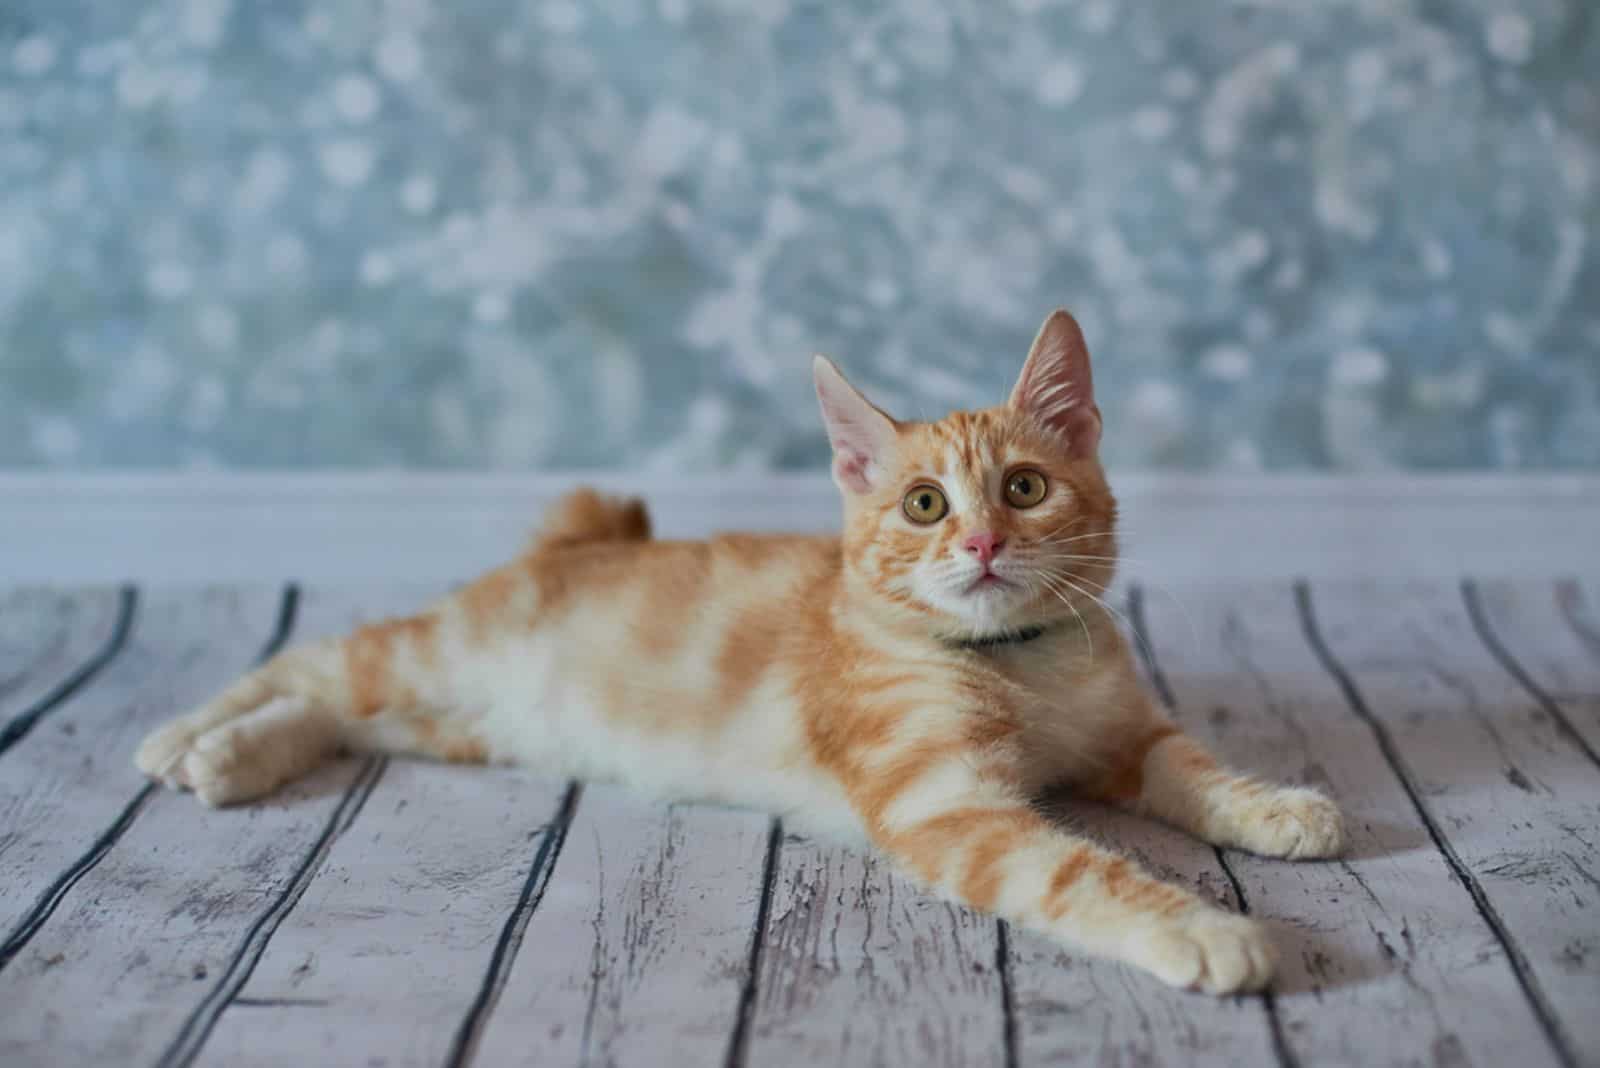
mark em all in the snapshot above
pixel 161 754
pixel 243 758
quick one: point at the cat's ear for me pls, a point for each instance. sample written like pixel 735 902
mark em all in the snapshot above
pixel 861 435
pixel 1056 387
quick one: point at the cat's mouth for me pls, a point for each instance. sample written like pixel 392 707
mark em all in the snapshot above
pixel 989 580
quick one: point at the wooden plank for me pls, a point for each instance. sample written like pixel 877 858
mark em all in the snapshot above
pixel 859 966
pixel 638 950
pixel 65 786
pixel 156 935
pixel 1548 636
pixel 383 954
pixel 1384 958
pixel 52 642
pixel 1512 798
pixel 1076 1010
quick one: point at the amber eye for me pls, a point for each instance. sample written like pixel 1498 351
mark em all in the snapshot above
pixel 1026 488
pixel 925 504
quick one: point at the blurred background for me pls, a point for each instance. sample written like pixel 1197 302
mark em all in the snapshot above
pixel 487 234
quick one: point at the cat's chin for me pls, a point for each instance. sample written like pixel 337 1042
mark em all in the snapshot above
pixel 983 608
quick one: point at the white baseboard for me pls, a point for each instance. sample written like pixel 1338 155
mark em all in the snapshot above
pixel 364 527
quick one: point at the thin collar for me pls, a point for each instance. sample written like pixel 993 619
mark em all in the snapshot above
pixel 1005 638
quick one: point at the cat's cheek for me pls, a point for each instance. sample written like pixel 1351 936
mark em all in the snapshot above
pixel 934 596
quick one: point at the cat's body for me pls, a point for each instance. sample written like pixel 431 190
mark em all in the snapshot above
pixel 913 683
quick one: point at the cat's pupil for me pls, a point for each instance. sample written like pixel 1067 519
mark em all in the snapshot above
pixel 925 502
pixel 1023 487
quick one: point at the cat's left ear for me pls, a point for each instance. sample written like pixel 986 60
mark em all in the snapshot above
pixel 1056 387
pixel 862 436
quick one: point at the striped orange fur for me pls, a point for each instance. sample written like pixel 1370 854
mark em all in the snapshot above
pixel 916 681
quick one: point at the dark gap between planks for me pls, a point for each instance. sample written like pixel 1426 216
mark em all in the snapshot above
pixel 1514 668
pixel 465 1043
pixel 19 725
pixel 739 1040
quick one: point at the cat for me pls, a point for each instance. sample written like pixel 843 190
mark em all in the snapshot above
pixel 916 682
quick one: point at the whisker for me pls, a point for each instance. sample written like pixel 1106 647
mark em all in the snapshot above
pixel 1112 612
pixel 1051 539
pixel 1165 591
pixel 1087 639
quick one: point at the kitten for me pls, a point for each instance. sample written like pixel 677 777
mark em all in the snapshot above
pixel 916 682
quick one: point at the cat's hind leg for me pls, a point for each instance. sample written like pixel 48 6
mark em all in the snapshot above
pixel 161 754
pixel 382 689
pixel 254 754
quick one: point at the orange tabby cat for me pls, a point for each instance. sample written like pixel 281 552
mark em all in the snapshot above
pixel 917 681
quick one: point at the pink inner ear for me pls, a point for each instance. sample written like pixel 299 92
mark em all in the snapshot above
pixel 851 469
pixel 854 460
pixel 860 434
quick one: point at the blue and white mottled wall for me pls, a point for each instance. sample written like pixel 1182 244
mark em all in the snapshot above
pixel 501 233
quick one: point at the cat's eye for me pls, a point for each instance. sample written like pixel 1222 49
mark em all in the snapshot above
pixel 1025 488
pixel 925 504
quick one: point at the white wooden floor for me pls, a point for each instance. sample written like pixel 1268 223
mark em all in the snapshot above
pixel 396 913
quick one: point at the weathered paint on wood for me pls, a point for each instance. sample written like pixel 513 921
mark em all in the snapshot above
pixel 151 932
pixel 638 950
pixel 1072 1009
pixel 1384 941
pixel 70 780
pixel 1551 634
pixel 50 640
pixel 1514 799
pixel 383 954
pixel 859 966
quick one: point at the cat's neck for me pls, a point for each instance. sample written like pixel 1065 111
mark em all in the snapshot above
pixel 1005 639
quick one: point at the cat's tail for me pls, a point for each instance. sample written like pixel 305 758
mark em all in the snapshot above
pixel 585 516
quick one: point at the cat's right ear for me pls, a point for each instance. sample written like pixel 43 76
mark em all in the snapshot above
pixel 862 436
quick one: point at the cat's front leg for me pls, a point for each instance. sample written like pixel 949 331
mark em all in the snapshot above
pixel 974 838
pixel 1168 775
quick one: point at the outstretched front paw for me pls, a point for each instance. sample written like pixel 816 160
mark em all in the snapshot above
pixel 1294 823
pixel 1209 950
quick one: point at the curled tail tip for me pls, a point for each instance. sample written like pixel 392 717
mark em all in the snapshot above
pixel 586 515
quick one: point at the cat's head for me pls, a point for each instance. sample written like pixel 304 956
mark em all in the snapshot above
pixel 986 521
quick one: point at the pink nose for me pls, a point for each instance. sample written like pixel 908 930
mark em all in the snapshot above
pixel 984 546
